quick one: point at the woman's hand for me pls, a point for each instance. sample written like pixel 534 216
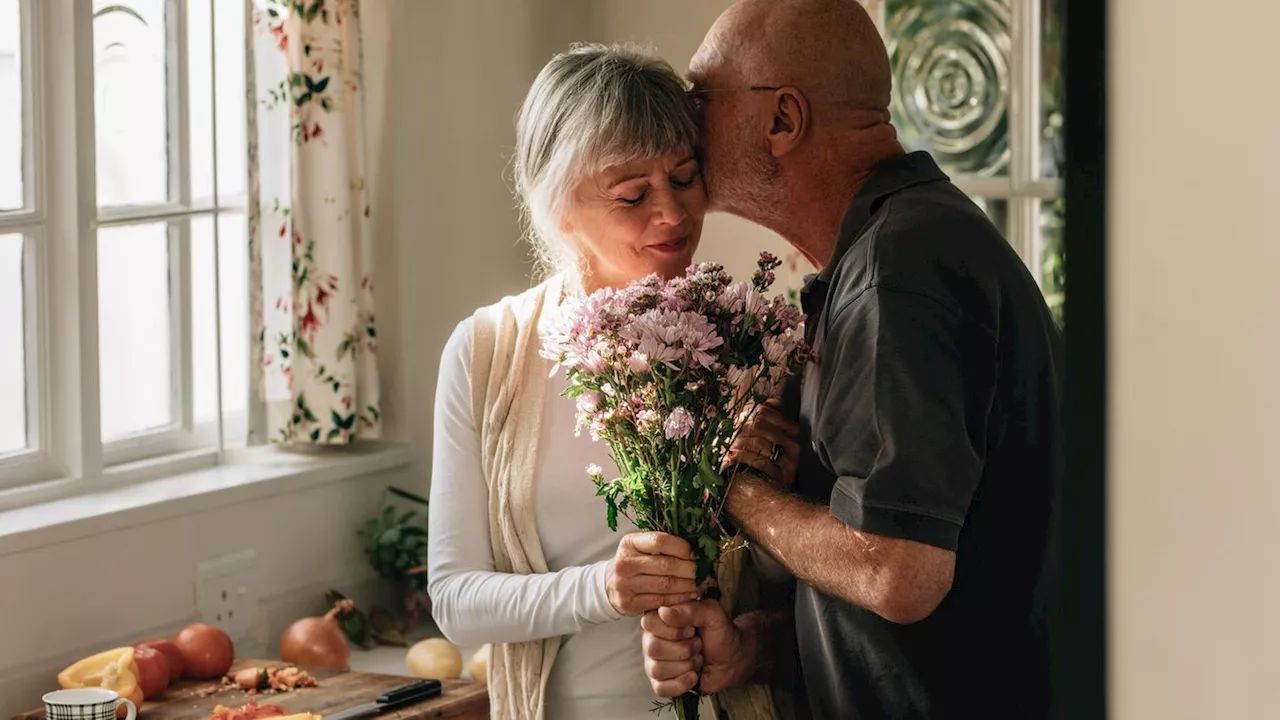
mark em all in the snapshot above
pixel 688 643
pixel 649 571
pixel 769 444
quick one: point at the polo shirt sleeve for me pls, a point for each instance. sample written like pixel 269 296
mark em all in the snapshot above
pixel 907 386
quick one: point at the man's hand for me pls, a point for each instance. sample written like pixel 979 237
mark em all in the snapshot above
pixel 650 570
pixel 768 443
pixel 673 654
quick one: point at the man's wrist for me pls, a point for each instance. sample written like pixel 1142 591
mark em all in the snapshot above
pixel 738 474
pixel 742 493
pixel 741 468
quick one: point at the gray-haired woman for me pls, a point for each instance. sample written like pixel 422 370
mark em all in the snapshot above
pixel 520 555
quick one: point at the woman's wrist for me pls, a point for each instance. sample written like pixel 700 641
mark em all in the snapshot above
pixel 605 610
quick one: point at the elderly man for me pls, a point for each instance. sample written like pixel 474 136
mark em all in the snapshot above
pixel 920 524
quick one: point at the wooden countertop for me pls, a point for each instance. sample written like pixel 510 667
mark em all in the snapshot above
pixel 461 700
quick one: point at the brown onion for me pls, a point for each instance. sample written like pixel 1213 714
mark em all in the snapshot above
pixel 318 641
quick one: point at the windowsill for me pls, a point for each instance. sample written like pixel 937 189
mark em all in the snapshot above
pixel 247 475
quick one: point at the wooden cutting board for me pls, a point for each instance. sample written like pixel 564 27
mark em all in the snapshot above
pixel 334 691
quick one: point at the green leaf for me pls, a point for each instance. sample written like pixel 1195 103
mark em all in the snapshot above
pixel 709 547
pixel 612 517
pixel 345 423
pixel 406 517
pixel 315 435
pixel 710 479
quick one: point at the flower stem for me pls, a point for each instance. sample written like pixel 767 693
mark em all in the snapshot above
pixel 687 705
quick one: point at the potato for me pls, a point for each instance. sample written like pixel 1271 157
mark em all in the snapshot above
pixel 434 659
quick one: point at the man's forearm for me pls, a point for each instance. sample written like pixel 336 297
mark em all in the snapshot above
pixel 897 579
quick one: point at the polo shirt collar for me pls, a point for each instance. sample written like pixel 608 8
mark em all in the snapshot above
pixel 889 177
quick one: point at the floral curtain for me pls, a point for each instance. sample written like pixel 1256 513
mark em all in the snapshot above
pixel 314 378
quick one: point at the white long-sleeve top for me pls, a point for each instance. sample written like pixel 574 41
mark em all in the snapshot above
pixel 599 671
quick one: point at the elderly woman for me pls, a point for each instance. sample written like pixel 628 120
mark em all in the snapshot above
pixel 520 554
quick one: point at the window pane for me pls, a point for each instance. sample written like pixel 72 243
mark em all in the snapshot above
pixel 229 38
pixel 950 63
pixel 11 134
pixel 233 232
pixel 1051 89
pixel 1052 271
pixel 131 102
pixel 13 365
pixel 998 210
pixel 134 329
pixel 233 173
pixel 199 99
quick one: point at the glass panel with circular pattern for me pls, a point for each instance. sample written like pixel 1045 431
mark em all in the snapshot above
pixel 951 81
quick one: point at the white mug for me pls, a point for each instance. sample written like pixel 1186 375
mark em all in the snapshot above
pixel 86 704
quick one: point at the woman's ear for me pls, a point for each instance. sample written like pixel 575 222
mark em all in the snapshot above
pixel 789 121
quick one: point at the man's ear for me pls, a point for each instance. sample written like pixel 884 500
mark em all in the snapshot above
pixel 789 121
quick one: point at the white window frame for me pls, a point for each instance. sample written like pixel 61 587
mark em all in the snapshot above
pixel 65 454
pixel 1023 187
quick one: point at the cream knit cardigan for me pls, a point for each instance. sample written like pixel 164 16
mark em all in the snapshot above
pixel 508 382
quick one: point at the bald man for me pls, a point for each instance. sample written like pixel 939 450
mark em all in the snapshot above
pixel 919 524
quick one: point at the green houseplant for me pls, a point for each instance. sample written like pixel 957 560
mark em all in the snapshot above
pixel 395 542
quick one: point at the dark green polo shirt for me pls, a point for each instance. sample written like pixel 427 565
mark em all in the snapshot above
pixel 933 414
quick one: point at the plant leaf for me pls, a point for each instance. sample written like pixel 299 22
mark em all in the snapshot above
pixel 612 513
pixel 390 537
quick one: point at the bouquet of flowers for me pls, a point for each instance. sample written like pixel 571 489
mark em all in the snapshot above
pixel 667 372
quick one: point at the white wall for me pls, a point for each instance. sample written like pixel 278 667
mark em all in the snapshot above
pixel 1194 356
pixel 445 78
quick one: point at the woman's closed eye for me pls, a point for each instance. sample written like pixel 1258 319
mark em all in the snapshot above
pixel 686 180
pixel 633 197
pixel 685 177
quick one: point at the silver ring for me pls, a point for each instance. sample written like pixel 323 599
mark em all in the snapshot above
pixel 776 454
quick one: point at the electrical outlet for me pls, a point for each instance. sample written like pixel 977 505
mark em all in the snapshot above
pixel 227 593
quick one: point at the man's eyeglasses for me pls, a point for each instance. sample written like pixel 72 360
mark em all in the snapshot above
pixel 701 95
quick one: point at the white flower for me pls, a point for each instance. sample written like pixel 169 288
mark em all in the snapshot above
pixel 589 401
pixel 639 363
pixel 678 424
pixel 646 419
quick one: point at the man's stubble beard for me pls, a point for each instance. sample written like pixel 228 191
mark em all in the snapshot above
pixel 747 185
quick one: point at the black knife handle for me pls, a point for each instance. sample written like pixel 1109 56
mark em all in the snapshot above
pixel 419 690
